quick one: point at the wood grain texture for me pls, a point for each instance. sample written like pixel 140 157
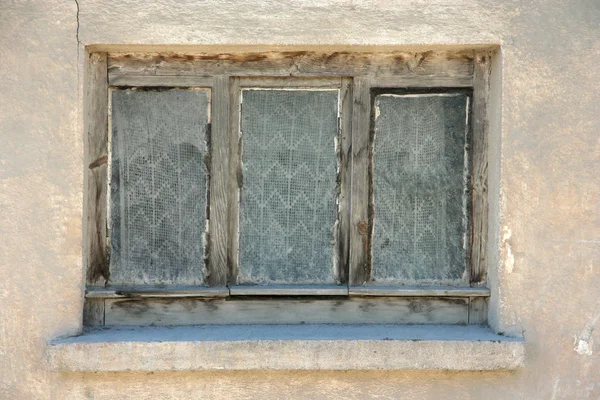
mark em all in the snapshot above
pixel 289 82
pixel 96 136
pixel 145 291
pixel 297 63
pixel 360 227
pixel 218 242
pixel 345 181
pixel 236 181
pixel 418 291
pixel 287 311
pixel 288 290
pixel 479 169
pixel 93 312
pixel 157 81
pixel 400 69
pixel 478 310
pixel 429 81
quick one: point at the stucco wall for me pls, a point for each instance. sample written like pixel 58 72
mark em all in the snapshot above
pixel 547 128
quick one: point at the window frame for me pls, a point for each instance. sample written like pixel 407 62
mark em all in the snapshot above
pixel 356 74
pixel 238 84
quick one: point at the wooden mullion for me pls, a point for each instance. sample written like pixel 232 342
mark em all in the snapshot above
pixel 345 181
pixel 219 184
pixel 235 180
pixel 478 310
pixel 96 134
pixel 359 263
pixel 479 170
pixel 93 312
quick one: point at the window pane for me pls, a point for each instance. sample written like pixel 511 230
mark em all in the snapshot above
pixel 288 206
pixel 419 188
pixel 158 186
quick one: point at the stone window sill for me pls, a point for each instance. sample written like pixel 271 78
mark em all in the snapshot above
pixel 287 347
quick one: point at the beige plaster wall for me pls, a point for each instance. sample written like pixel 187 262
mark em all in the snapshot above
pixel 547 130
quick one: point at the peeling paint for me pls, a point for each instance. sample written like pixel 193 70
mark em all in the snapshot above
pixel 584 347
pixel 584 343
pixel 509 263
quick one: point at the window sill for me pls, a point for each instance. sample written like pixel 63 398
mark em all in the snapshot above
pixel 287 347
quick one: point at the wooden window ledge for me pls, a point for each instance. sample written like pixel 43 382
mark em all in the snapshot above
pixel 287 347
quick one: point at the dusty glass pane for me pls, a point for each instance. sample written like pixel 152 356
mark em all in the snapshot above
pixel 288 207
pixel 419 188
pixel 158 186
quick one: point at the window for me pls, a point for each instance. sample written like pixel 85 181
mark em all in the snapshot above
pixel 286 187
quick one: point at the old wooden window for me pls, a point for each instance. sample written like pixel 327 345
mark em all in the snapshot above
pixel 290 187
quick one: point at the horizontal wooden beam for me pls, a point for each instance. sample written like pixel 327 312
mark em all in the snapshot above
pixel 290 82
pixel 164 81
pixel 289 290
pixel 416 291
pixel 432 81
pixel 142 292
pixel 415 65
pixel 309 310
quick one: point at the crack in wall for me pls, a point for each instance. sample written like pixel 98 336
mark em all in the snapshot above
pixel 77 30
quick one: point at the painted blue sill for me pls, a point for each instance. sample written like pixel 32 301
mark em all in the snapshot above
pixel 287 347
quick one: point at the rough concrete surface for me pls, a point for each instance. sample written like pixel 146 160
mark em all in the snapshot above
pixel 545 148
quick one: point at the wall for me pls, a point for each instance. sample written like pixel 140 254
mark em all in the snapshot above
pixel 547 129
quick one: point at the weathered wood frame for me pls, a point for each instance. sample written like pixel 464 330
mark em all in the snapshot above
pixel 355 74
pixel 363 208
pixel 236 148
pixel 287 310
pixel 212 167
pixel 96 172
pixel 96 161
